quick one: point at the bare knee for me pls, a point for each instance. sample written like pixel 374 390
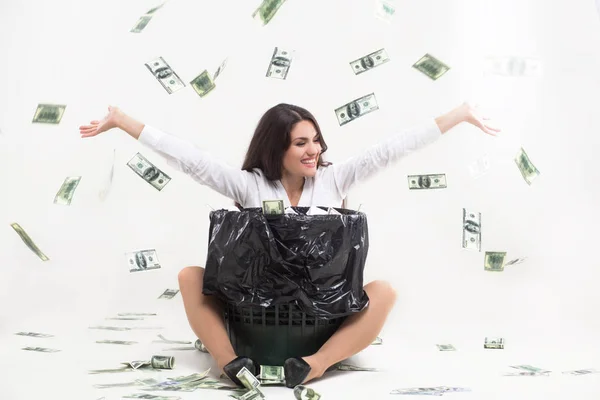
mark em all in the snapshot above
pixel 190 275
pixel 381 291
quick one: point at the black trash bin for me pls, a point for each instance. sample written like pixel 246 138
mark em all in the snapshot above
pixel 286 282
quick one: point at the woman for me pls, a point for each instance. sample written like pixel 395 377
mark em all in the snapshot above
pixel 284 161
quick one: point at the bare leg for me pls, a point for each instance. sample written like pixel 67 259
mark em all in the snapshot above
pixel 357 332
pixel 205 316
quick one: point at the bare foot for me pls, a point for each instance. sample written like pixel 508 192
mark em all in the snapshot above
pixel 316 369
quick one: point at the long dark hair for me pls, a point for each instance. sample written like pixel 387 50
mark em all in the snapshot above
pixel 272 137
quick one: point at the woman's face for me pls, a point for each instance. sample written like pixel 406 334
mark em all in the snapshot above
pixel 305 144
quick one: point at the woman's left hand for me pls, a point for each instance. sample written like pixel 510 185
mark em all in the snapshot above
pixel 473 116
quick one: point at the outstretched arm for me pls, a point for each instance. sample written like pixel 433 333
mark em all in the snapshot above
pixel 383 154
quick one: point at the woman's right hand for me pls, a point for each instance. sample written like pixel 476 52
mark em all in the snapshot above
pixel 98 126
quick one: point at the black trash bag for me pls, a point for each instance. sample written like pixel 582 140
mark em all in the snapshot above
pixel 314 261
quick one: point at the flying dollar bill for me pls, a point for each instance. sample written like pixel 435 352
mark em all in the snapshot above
pixel 582 371
pixel 34 334
pixel 302 392
pixel 40 349
pixel 446 347
pixel 280 63
pixel 49 113
pixel 169 294
pixel 273 207
pixel 369 61
pixel 377 341
pixel 151 174
pixel 530 368
pixel 528 170
pixel 203 84
pixel 144 19
pixel 142 260
pixel 165 340
pixel 66 191
pixel 120 342
pixel 165 75
pixel 219 70
pixel 27 240
pixel 494 261
pixel 431 66
pixel 356 108
pixel 385 9
pixel 513 66
pixel 200 346
pixel 471 238
pixel 515 261
pixel 493 343
pixel 430 181
pixel 267 9
pixel 106 187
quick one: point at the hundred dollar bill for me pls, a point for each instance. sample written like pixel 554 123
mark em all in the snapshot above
pixel 200 346
pixel 165 75
pixel 203 84
pixel 165 340
pixel 66 191
pixel 369 61
pixel 528 170
pixel 267 9
pixel 142 260
pixel 582 371
pixel 529 368
pixel 40 349
pixel 108 183
pixel 280 63
pixel 471 238
pixel 34 334
pixel 431 66
pixel 49 113
pixel 254 394
pixel 122 342
pixel 109 371
pixel 515 261
pixel 493 343
pixel 273 207
pixel 219 70
pixel 151 174
pixel 141 314
pixel 385 9
pixel 162 362
pixel 302 392
pixel 513 66
pixel 144 19
pixel 271 373
pixel 480 166
pixel 27 240
pixel 147 396
pixel 348 367
pixel 446 347
pixel 494 260
pixel 169 294
pixel 356 108
pixel 430 181
pixel 377 341
pixel 249 381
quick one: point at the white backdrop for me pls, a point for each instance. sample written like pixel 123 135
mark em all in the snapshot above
pixel 81 54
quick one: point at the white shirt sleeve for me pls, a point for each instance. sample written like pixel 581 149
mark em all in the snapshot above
pixel 199 164
pixel 383 154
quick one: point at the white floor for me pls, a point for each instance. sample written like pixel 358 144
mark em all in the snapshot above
pixel 82 54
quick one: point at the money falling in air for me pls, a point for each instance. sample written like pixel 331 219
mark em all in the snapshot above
pixel 147 171
pixel 356 108
pixel 431 66
pixel 369 61
pixel 27 240
pixel 49 113
pixel 165 75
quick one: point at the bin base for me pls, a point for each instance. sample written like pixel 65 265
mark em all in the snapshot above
pixel 273 334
